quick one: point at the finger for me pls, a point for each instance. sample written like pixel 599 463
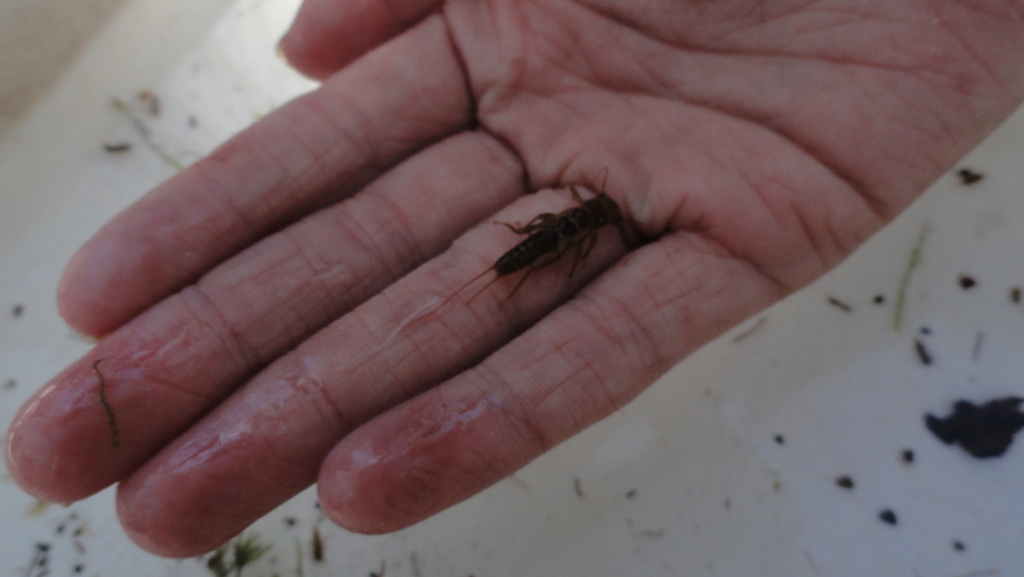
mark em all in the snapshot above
pixel 173 363
pixel 272 435
pixel 583 361
pixel 316 149
pixel 328 34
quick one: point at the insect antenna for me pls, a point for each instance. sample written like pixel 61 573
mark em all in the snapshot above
pixel 477 293
pixel 463 287
pixel 604 179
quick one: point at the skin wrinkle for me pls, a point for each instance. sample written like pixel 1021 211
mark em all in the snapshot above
pixel 398 218
pixel 507 80
pixel 761 122
pixel 515 410
pixel 304 381
pixel 601 321
pixel 318 276
pixel 229 334
pixel 659 304
pixel 556 391
pixel 291 179
pixel 460 61
pixel 976 58
pixel 810 235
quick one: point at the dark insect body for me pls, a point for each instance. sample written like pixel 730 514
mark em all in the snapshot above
pixel 550 236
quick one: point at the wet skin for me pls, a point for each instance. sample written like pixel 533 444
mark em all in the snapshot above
pixel 257 310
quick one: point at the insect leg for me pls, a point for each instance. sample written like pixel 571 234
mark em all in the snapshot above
pixel 522 279
pixel 540 221
pixel 538 264
pixel 593 241
pixel 576 195
pixel 583 246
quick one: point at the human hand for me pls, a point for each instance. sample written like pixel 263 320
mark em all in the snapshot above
pixel 269 315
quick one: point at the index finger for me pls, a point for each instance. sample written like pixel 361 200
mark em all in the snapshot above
pixel 314 150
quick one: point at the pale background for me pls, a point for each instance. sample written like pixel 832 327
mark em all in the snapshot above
pixel 687 480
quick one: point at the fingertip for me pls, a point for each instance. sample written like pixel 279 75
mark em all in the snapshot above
pixel 357 493
pixel 76 301
pixel 141 519
pixel 159 513
pixel 328 34
pixel 34 461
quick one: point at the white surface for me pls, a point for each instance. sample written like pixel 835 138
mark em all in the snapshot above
pixel 714 493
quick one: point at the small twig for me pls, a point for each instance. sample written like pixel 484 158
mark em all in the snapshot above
pixel 922 352
pixel 840 304
pixel 912 262
pixel 980 573
pixel 979 339
pixel 147 136
pixel 111 420
pixel 299 572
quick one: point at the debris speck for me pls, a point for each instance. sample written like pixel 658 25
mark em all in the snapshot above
pixel 630 494
pixel 10 384
pixel 967 282
pixel 912 262
pixel 17 310
pixel 922 352
pixel 844 481
pixel 779 439
pixel 40 559
pixel 968 176
pixel 983 431
pixel 117 147
pixel 1015 295
pixel 150 101
pixel 907 456
pixel 840 304
pixel 979 339
pixel 317 545
pixel 290 521
pixel 652 534
pixel 234 557
pixel 879 299
pixel 577 486
pixel 38 508
pixel 147 136
pixel 193 122
pixel 959 546
pixel 888 516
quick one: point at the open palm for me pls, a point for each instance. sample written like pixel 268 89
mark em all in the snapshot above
pixel 271 318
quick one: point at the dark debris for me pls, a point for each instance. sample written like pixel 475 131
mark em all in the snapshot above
pixel 907 456
pixel 117 147
pixel 888 516
pixel 968 176
pixel 983 431
pixel 922 352
pixel 840 304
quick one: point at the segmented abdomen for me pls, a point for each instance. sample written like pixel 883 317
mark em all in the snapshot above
pixel 530 249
